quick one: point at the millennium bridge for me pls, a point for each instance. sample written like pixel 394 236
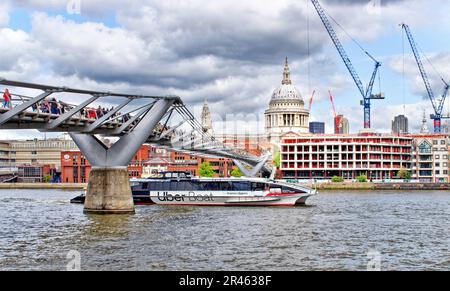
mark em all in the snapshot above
pixel 132 121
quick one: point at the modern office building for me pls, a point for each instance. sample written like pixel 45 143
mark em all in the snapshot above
pixel 317 127
pixel 43 152
pixel 400 125
pixel 341 125
pixel 34 173
pixel 348 156
pixel 5 155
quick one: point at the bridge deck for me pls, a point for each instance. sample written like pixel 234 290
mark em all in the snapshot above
pixel 40 121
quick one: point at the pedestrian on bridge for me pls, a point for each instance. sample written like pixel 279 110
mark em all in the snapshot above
pixel 54 106
pixel 7 99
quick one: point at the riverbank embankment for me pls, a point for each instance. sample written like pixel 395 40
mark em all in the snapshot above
pixel 55 186
pixel 319 186
pixel 382 186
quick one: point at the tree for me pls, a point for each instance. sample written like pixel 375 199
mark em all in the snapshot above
pixel 47 179
pixel 206 170
pixel 236 173
pixel 337 179
pixel 277 160
pixel 404 174
pixel 362 179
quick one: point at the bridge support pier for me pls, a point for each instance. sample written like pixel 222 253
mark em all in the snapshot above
pixel 109 190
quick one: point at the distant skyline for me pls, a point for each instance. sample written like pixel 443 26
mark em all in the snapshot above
pixel 228 52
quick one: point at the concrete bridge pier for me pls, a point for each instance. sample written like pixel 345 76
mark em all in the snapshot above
pixel 109 190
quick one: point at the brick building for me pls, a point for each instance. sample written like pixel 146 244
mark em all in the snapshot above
pixel 75 168
pixel 148 162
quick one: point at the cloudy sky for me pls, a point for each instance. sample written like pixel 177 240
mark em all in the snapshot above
pixel 229 52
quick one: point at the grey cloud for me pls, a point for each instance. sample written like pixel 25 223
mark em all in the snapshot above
pixel 229 52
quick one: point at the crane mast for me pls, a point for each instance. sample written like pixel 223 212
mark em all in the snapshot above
pixel 366 93
pixel 438 104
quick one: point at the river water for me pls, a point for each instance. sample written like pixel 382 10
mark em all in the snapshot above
pixel 336 231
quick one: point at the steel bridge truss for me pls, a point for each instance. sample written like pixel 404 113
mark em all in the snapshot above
pixel 149 121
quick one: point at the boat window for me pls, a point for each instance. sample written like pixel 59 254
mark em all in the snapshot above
pixel 225 186
pixel 173 185
pixel 241 186
pixel 212 186
pixel 144 186
pixel 200 186
pixel 180 185
pixel 156 186
pixel 194 186
pixel 188 186
pixel 165 186
pixel 258 186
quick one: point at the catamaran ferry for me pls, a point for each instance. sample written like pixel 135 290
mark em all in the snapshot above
pixel 176 188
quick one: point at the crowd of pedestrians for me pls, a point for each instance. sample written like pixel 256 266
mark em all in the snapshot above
pixel 53 106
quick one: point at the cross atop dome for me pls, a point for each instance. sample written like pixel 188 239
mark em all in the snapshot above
pixel 286 74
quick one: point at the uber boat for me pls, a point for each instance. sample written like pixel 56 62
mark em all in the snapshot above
pixel 176 188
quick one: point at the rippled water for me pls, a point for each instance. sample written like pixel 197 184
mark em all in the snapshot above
pixel 335 232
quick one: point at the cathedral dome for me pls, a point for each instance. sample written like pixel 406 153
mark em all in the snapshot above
pixel 287 91
pixel 286 112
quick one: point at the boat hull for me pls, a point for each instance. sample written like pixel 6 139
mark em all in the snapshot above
pixel 198 199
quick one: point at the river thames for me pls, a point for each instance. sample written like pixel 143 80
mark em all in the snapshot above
pixel 336 231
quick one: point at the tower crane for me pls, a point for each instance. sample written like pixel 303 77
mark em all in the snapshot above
pixel 337 121
pixel 366 93
pixel 438 103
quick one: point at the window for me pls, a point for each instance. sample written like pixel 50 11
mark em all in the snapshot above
pixel 225 186
pixel 165 186
pixel 425 148
pixel 435 142
pixel 258 186
pixel 438 172
pixel 173 185
pixel 437 157
pixel 241 186
pixel 156 186
pixel 443 142
pixel 34 152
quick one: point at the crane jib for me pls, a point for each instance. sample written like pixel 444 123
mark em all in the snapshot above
pixel 365 93
pixel 438 104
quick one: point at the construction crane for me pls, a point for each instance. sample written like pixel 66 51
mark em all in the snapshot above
pixel 332 104
pixel 311 100
pixel 366 93
pixel 337 121
pixel 438 103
